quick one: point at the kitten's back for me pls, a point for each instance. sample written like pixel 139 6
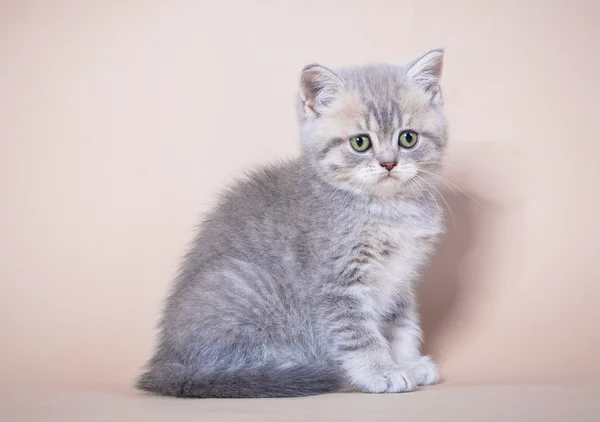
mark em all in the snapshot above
pixel 237 263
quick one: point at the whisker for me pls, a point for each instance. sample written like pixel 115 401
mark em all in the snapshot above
pixel 452 186
pixel 439 179
pixel 443 199
pixel 443 163
pixel 418 183
pixel 412 186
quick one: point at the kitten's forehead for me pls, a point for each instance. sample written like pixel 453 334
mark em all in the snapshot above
pixel 374 83
pixel 383 92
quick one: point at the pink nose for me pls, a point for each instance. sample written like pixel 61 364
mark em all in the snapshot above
pixel 389 165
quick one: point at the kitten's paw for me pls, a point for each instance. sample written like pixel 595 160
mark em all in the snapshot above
pixel 425 371
pixel 392 380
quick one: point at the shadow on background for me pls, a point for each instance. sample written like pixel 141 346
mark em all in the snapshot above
pixel 444 286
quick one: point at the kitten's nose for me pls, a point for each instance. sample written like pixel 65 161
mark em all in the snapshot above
pixel 389 165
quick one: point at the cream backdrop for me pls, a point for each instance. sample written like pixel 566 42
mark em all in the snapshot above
pixel 120 120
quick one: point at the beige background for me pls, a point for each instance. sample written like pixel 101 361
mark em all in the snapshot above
pixel 119 121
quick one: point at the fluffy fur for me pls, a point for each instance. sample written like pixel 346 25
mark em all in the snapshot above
pixel 302 280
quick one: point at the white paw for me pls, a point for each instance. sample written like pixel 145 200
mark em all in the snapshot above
pixel 425 371
pixel 392 380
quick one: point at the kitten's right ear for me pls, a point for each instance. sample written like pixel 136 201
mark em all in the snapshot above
pixel 319 87
pixel 426 72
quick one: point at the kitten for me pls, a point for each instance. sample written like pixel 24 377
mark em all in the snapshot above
pixel 302 280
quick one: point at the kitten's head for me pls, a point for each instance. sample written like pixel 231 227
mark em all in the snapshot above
pixel 377 130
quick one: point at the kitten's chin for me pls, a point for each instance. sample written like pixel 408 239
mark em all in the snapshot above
pixel 385 188
pixel 388 190
pixel 393 184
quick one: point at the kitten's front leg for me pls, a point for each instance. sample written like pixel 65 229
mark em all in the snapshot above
pixel 405 338
pixel 365 353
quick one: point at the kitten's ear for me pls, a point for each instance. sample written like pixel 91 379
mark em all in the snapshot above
pixel 319 87
pixel 426 71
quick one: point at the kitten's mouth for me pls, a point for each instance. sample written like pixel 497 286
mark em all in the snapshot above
pixel 388 177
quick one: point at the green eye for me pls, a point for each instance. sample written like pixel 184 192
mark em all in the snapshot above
pixel 408 139
pixel 360 143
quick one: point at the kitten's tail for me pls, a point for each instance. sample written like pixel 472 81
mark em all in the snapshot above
pixel 267 381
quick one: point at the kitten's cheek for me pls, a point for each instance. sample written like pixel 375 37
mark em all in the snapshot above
pixel 408 171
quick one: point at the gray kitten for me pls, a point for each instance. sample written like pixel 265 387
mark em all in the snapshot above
pixel 302 280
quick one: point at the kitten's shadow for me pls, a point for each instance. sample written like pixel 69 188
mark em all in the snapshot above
pixel 443 287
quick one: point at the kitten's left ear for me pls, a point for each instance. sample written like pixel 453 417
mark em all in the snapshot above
pixel 426 71
pixel 319 87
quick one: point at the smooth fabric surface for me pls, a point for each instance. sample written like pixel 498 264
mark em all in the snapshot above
pixel 473 403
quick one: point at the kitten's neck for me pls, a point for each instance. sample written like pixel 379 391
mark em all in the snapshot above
pixel 403 207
